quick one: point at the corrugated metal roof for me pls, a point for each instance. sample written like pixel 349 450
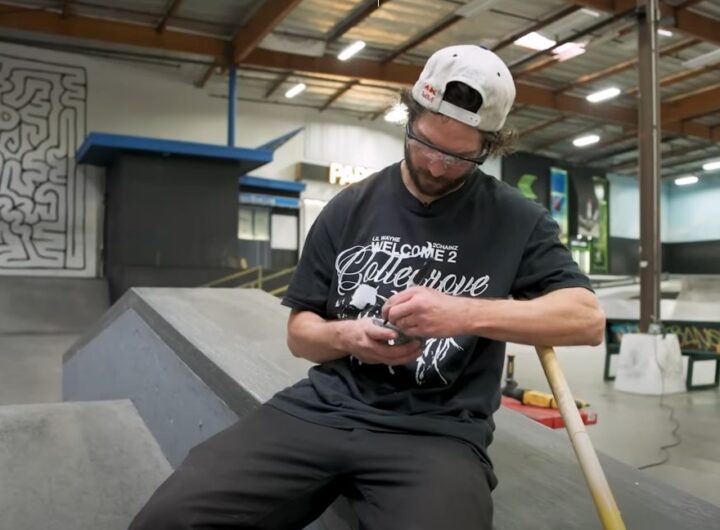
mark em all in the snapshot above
pixel 388 28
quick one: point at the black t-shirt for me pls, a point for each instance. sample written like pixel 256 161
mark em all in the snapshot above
pixel 482 240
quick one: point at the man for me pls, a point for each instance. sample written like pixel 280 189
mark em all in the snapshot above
pixel 402 298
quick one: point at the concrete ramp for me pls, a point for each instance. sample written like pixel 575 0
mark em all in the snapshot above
pixel 195 360
pixel 700 288
pixel 192 360
pixel 75 466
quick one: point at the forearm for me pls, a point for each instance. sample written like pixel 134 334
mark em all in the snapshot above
pixel 313 338
pixel 560 318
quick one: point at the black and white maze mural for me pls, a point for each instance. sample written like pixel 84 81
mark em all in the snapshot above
pixel 43 210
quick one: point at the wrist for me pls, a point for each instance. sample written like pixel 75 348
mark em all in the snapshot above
pixel 477 315
pixel 343 335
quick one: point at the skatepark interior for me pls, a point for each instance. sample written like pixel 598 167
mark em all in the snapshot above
pixel 161 163
pixel 39 329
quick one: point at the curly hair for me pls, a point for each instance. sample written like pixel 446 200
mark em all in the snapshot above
pixel 498 143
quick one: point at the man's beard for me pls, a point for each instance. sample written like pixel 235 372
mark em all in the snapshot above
pixel 430 186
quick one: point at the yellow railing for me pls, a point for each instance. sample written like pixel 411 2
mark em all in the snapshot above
pixel 235 276
pixel 256 283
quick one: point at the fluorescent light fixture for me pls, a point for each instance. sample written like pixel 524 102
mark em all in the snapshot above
pixel 712 166
pixel 398 113
pixel 351 50
pixel 294 91
pixel 568 50
pixel 583 141
pixel 535 41
pixel 703 60
pixel 590 12
pixel 473 8
pixel 603 95
pixel 686 181
pixel 665 32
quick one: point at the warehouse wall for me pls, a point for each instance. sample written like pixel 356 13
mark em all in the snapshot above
pixel 51 209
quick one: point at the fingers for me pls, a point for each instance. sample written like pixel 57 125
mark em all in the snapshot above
pixel 379 333
pixel 401 354
pixel 398 298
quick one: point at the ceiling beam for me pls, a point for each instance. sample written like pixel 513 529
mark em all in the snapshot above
pixel 542 125
pixel 200 83
pixel 540 24
pixel 676 78
pixel 109 31
pixel 562 138
pixel 668 157
pixel 277 84
pixel 700 103
pixel 688 3
pixel 429 33
pixel 353 19
pixel 625 65
pixel 680 17
pixel 629 135
pixel 337 95
pixel 66 9
pixel 265 19
pixel 169 13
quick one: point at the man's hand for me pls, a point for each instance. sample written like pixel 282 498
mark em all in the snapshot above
pixel 425 312
pixel 368 343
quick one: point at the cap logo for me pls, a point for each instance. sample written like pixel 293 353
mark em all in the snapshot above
pixel 429 92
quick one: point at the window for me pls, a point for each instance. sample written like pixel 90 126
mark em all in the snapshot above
pixel 253 223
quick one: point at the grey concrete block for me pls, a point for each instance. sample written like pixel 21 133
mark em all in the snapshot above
pixel 75 466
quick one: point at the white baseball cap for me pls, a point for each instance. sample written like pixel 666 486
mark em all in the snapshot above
pixel 480 69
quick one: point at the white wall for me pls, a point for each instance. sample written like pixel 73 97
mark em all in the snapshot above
pixel 625 208
pixel 39 185
pixel 693 214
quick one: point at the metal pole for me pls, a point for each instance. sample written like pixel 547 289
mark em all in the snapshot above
pixel 649 178
pixel 232 104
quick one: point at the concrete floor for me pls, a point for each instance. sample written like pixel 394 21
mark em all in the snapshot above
pixel 630 428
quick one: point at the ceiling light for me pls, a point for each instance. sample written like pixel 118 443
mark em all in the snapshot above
pixel 351 50
pixel 398 113
pixel 685 181
pixel 473 8
pixel 294 91
pixel 586 140
pixel 703 60
pixel 569 50
pixel 535 41
pixel 665 33
pixel 603 95
pixel 712 166
pixel 590 12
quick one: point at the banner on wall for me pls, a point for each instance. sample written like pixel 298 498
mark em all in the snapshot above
pixel 600 258
pixel 559 201
pixel 529 174
pixel 592 217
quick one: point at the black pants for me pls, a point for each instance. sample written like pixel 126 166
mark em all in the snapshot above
pixel 275 471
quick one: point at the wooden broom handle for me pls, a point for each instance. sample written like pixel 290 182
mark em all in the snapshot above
pixel 602 496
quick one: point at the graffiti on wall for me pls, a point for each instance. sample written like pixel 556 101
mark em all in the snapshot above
pixel 42 191
pixel 702 336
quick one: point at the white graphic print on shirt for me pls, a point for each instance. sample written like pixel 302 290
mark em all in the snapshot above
pixel 367 275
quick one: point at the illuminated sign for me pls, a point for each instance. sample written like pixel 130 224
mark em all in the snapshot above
pixel 343 174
